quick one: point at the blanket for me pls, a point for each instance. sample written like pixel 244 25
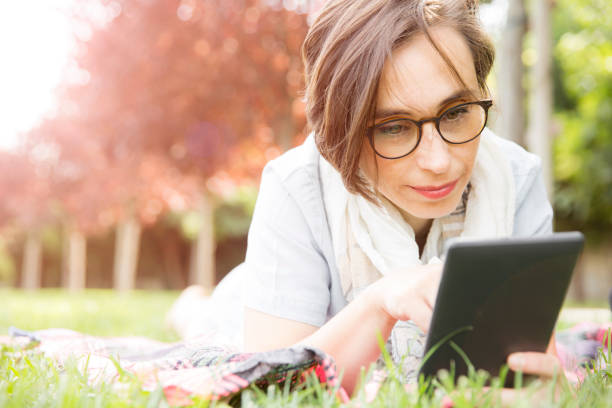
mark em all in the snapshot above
pixel 183 369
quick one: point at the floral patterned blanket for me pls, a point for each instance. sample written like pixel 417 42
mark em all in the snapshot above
pixel 183 369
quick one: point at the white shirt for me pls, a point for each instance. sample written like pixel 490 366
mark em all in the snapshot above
pixel 289 270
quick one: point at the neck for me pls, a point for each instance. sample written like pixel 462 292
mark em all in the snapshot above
pixel 420 226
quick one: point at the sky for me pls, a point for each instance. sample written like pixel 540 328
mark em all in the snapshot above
pixel 35 45
pixel 36 40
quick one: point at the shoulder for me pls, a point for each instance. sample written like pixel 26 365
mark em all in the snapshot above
pixel 533 212
pixel 289 224
pixel 526 167
pixel 292 180
pixel 297 163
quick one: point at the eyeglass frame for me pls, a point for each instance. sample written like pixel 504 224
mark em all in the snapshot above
pixel 485 104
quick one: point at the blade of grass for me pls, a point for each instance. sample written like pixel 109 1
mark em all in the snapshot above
pixel 439 344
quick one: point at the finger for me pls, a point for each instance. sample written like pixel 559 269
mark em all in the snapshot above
pixel 552 346
pixel 534 363
pixel 420 314
pixel 432 283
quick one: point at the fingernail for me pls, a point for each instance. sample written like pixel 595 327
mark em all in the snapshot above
pixel 516 361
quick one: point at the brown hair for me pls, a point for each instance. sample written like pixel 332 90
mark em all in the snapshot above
pixel 344 53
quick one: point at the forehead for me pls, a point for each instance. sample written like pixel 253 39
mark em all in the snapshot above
pixel 416 79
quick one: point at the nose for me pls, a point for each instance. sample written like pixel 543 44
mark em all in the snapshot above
pixel 433 153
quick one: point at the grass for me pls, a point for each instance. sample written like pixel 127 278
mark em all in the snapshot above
pixel 596 303
pixel 95 312
pixel 32 380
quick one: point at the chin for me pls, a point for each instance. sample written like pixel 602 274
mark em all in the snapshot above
pixel 428 214
pixel 432 209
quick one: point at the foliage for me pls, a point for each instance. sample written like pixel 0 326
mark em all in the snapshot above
pixel 583 150
pixel 233 214
pixel 24 190
pixel 161 97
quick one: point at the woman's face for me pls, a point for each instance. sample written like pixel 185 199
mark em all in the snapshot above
pixel 418 84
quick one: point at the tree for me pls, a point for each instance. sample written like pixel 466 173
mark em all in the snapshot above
pixel 170 94
pixel 510 73
pixel 541 99
pixel 25 207
pixel 583 105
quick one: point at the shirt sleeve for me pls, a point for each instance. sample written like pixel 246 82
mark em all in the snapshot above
pixel 534 214
pixel 286 275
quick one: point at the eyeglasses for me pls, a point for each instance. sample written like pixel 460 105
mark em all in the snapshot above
pixel 395 138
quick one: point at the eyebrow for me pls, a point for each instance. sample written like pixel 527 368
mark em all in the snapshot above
pixel 461 94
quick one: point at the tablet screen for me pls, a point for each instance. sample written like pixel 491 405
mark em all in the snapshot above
pixel 497 297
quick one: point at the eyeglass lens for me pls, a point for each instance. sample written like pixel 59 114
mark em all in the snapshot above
pixel 457 125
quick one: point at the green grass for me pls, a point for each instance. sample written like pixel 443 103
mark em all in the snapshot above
pixel 32 380
pixel 594 303
pixel 95 312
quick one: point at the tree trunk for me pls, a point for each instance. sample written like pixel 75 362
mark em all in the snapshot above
pixel 510 74
pixel 74 260
pixel 127 242
pixel 32 260
pixel 285 132
pixel 173 267
pixel 202 262
pixel 539 135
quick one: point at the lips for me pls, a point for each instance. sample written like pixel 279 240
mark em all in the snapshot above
pixel 435 192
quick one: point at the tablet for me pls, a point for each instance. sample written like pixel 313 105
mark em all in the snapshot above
pixel 497 297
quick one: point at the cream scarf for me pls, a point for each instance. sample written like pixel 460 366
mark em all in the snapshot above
pixel 370 241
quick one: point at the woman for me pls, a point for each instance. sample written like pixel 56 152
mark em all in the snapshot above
pixel 349 227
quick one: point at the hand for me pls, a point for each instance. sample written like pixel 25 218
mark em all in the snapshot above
pixel 546 365
pixel 409 295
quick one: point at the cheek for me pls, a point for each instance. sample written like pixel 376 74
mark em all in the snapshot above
pixel 382 173
pixel 393 176
pixel 467 157
pixel 367 163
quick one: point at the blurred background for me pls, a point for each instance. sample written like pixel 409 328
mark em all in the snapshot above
pixel 133 132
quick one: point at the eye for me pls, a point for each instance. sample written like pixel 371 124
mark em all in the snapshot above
pixel 394 129
pixel 454 114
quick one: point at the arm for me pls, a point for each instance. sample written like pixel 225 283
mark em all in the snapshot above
pixel 350 336
pixel 287 278
pixel 258 326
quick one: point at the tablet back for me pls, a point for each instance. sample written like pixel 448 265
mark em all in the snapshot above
pixel 497 297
